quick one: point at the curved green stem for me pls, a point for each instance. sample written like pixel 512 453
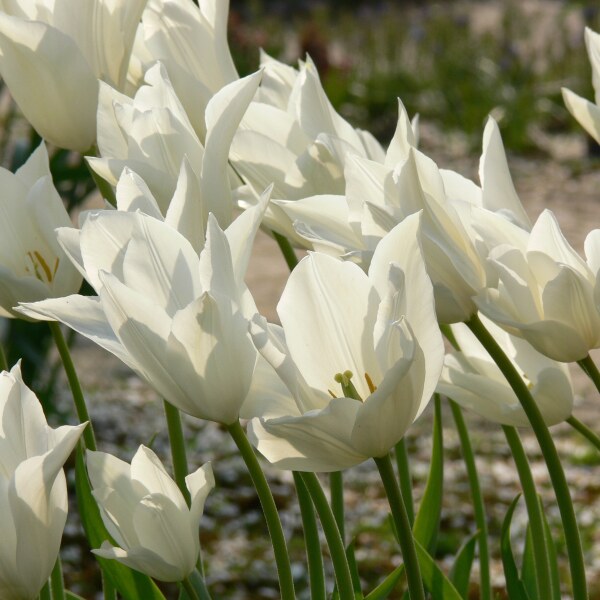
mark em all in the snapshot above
pixel 189 588
pixel 403 529
pixel 286 249
pixel 45 593
pixel 555 468
pixel 541 556
pixel 316 575
pixel 590 369
pixel 286 582
pixel 485 586
pixel 405 479
pixel 336 490
pixel 82 412
pixel 337 550
pixel 177 443
pixel 585 431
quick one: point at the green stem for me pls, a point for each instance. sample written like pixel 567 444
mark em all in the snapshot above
pixel 555 468
pixel 177 442
pixel 78 398
pixel 405 479
pixel 286 249
pixel 3 361
pixel 189 588
pixel 403 529
pixel 336 492
pixel 485 586
pixel 196 579
pixel 585 431
pixel 543 565
pixel 316 575
pixel 45 593
pixel 337 550
pixel 108 589
pixel 56 581
pixel 591 370
pixel 286 582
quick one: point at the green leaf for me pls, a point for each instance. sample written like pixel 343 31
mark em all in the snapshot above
pixel 528 570
pixel 514 586
pixel 427 521
pixel 436 582
pixel 72 596
pixel 553 558
pixel 354 570
pixel 131 584
pixel 460 574
pixel 387 586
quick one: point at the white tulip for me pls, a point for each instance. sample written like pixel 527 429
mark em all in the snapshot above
pixel 177 319
pixel 191 41
pixel 379 330
pixel 471 378
pixel 33 266
pixel 146 514
pixel 546 293
pixel 33 489
pixel 52 54
pixel 151 135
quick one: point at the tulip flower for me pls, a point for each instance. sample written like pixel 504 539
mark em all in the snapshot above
pixel 177 319
pixel 190 40
pixel 546 293
pixel 151 135
pixel 471 378
pixel 146 514
pixel 33 489
pixel 359 354
pixel 33 266
pixel 291 136
pixel 586 112
pixel 52 58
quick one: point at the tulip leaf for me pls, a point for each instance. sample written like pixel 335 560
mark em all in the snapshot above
pixel 72 596
pixel 387 586
pixel 436 582
pixel 528 570
pixel 131 584
pixel 556 595
pixel 427 521
pixel 514 586
pixel 460 573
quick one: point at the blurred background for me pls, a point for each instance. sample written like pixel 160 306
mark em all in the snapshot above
pixel 453 62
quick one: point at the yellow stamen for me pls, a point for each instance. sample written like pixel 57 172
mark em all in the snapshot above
pixel 372 386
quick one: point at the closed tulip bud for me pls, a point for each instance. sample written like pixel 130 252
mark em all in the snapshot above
pixel 146 513
pixel 33 489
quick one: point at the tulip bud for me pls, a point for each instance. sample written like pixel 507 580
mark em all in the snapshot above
pixel 33 489
pixel 146 514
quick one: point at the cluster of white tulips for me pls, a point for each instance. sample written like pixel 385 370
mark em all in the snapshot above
pixel 192 160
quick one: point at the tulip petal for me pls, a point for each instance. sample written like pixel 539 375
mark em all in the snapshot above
pixel 38 60
pixel 586 113
pixel 317 441
pixel 328 311
pixel 199 483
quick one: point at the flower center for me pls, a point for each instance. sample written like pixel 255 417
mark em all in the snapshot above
pixel 38 267
pixel 348 389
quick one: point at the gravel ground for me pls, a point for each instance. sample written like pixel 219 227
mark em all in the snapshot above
pixel 237 554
